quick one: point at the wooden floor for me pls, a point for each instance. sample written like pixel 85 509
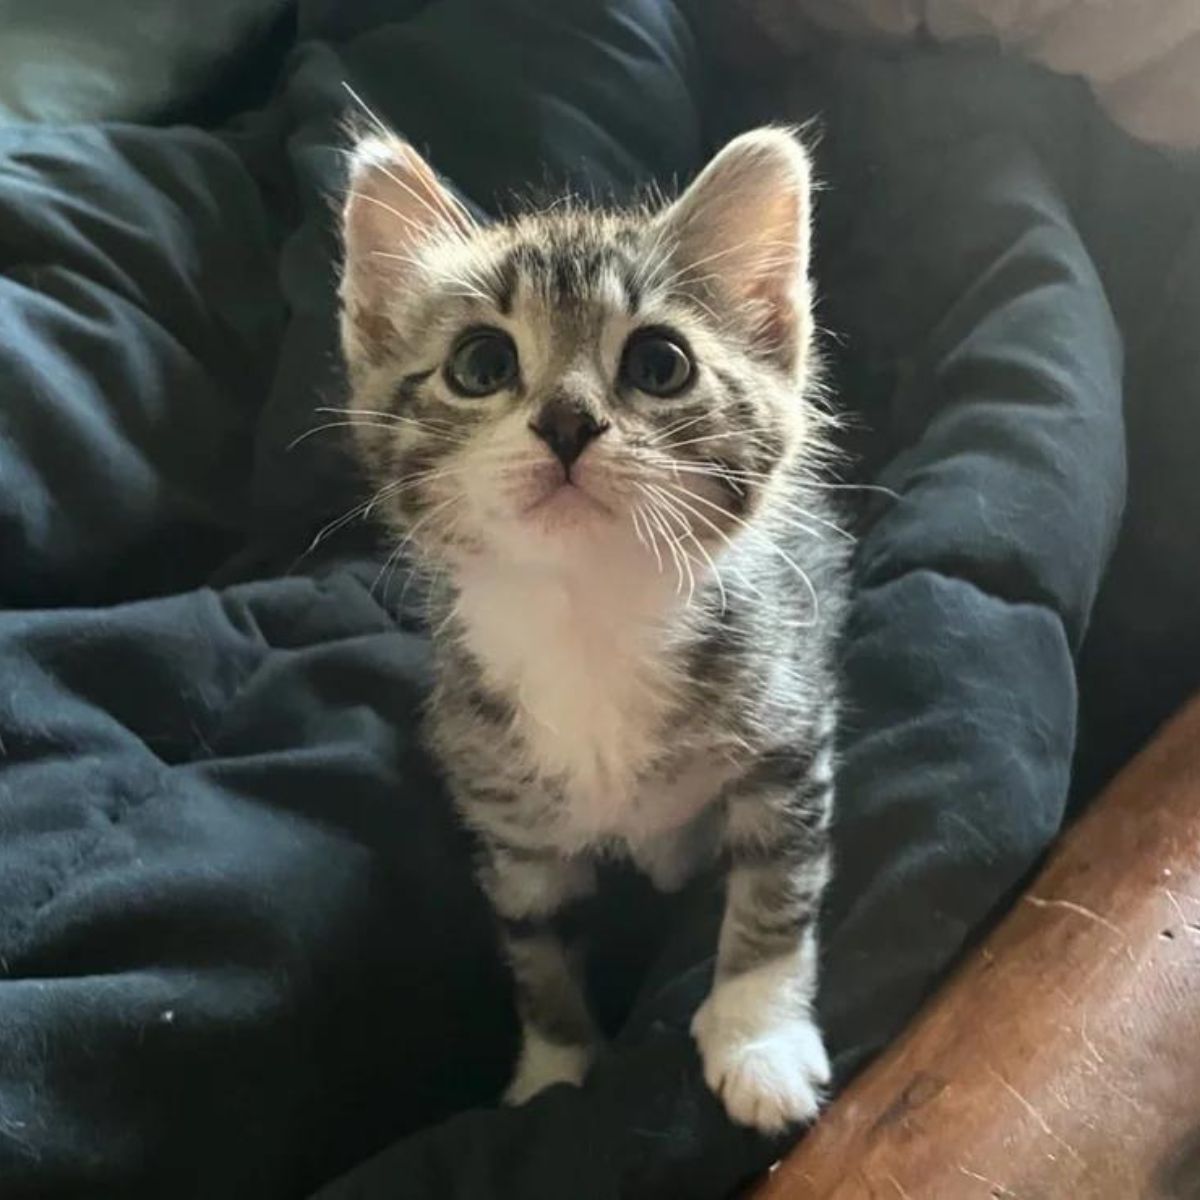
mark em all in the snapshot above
pixel 1062 1062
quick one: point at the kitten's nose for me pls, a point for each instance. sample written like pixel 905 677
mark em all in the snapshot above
pixel 566 427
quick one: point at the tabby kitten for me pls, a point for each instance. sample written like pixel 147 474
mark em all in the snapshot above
pixel 594 428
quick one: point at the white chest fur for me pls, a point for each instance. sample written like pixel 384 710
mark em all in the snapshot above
pixel 589 660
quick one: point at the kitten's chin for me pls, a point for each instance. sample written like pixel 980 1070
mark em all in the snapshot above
pixel 565 527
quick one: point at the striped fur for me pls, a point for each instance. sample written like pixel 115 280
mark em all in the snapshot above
pixel 634 648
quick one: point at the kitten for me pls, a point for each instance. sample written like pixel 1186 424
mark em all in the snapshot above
pixel 596 430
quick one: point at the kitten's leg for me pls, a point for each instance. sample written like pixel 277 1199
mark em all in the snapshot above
pixel 761 1048
pixel 558 1037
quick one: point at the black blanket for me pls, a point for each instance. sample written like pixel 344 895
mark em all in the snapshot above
pixel 240 947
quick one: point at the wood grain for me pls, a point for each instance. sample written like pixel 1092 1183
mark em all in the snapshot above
pixel 1062 1061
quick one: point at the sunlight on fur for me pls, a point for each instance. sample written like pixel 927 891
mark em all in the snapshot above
pixel 597 434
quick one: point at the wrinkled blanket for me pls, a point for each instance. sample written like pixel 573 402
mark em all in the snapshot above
pixel 241 952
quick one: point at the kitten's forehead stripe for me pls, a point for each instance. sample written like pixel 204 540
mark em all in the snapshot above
pixel 505 281
pixel 631 287
pixel 573 266
pixel 563 274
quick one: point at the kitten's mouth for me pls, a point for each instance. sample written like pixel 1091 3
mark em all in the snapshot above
pixel 567 499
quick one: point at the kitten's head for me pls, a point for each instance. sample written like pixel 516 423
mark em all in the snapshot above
pixel 575 382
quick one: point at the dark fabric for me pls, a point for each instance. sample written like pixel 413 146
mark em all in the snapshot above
pixel 240 949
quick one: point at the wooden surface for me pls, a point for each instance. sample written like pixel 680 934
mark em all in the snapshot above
pixel 1062 1062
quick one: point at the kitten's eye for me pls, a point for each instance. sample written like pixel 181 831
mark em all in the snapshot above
pixel 656 363
pixel 483 362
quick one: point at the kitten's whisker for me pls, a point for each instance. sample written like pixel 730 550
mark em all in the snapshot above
pixel 447 620
pixel 671 513
pixel 663 511
pixel 415 569
pixel 655 519
pixel 439 428
pixel 678 427
pixel 669 541
pixel 858 487
pixel 334 425
pixel 348 516
pixel 364 509
pixel 394 556
pixel 787 510
pixel 390 564
pixel 754 532
pixel 637 529
pixel 724 436
pixel 747 582
pixel 660 566
pixel 430 475
pixel 653 543
pixel 698 515
pixel 709 466
pixel 742 576
pixel 708 558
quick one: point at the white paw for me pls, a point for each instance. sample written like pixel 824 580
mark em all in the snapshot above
pixel 768 1067
pixel 543 1063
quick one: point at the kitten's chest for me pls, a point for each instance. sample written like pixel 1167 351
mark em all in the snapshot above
pixel 594 700
pixel 591 710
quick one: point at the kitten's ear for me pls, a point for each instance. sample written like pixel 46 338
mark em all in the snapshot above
pixel 395 210
pixel 740 237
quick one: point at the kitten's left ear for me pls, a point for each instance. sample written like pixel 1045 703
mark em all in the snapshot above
pixel 740 237
pixel 395 209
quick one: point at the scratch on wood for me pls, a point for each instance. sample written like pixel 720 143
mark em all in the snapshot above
pixel 1078 909
pixel 1043 1124
pixel 1087 1041
pixel 1188 924
pixel 1081 911
pixel 998 1190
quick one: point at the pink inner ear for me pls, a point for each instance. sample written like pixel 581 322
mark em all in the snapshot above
pixel 776 326
pixel 772 285
pixel 396 198
pixel 394 204
pixel 745 219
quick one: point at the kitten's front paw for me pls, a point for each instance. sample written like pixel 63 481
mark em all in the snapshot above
pixel 769 1068
pixel 543 1063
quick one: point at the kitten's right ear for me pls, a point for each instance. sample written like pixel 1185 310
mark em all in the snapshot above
pixel 395 210
pixel 740 235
